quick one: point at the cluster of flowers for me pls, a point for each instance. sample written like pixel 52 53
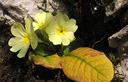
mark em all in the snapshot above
pixel 47 38
pixel 59 28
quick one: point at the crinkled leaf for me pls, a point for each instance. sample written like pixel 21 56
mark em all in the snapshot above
pixel 51 62
pixel 44 50
pixel 42 35
pixel 87 65
pixel 41 50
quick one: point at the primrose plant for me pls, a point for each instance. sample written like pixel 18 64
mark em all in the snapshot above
pixel 47 40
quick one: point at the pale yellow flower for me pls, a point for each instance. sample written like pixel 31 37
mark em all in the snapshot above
pixel 61 30
pixel 42 20
pixel 23 38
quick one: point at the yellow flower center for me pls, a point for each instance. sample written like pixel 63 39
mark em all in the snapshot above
pixel 26 39
pixel 61 31
pixel 40 25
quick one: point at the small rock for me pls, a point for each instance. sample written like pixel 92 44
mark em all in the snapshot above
pixel 16 10
pixel 122 70
pixel 115 6
pixel 119 38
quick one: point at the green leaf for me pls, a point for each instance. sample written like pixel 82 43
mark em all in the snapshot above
pixel 87 65
pixel 43 50
pixel 40 50
pixel 66 50
pixel 42 35
pixel 74 45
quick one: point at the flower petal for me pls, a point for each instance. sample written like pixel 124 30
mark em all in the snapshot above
pixel 65 41
pixel 28 24
pixel 70 35
pixel 71 25
pixel 34 42
pixel 61 18
pixel 55 39
pixel 13 41
pixel 40 17
pixel 23 51
pixel 35 25
pixel 30 30
pixel 17 46
pixel 33 39
pixel 18 30
pixel 49 18
pixel 43 20
pixel 52 28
